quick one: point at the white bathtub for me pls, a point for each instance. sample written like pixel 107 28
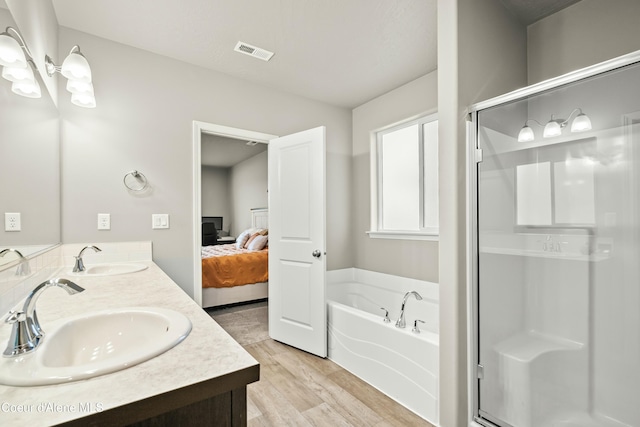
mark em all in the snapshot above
pixel 398 362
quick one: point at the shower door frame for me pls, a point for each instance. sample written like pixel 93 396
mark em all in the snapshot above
pixel 474 156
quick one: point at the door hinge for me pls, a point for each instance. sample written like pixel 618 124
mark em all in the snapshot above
pixel 480 371
pixel 478 155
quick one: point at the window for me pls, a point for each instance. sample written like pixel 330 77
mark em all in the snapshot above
pixel 405 181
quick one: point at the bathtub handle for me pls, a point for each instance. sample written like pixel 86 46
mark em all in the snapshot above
pixel 415 329
pixel 386 315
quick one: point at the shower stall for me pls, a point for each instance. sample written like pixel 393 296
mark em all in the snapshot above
pixel 555 251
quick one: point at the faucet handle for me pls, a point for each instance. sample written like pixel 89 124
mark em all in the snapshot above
pixel 15 316
pixel 415 329
pixel 386 315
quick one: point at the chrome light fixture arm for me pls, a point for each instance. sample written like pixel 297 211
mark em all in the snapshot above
pixel 564 123
pixel 51 66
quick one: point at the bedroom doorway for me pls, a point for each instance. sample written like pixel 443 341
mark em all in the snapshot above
pixel 235 140
pixel 297 232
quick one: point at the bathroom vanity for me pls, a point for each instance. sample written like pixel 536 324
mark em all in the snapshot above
pixel 200 381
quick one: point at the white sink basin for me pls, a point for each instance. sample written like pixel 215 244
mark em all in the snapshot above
pixel 95 344
pixel 110 269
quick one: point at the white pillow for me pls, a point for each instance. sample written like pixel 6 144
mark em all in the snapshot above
pixel 258 243
pixel 242 239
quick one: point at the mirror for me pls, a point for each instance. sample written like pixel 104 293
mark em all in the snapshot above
pixel 29 167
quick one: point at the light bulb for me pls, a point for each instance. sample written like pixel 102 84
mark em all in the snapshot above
pixel 581 123
pixel 526 134
pixel 551 129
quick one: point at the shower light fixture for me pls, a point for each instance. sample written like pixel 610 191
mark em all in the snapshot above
pixel 78 73
pixel 16 66
pixel 554 126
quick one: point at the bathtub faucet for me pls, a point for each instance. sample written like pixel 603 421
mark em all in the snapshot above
pixel 401 322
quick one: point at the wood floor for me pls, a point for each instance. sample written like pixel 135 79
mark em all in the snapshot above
pixel 299 389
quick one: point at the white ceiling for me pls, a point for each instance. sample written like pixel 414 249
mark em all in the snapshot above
pixel 341 52
pixel 219 151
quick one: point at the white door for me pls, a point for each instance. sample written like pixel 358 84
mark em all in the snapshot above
pixel 297 313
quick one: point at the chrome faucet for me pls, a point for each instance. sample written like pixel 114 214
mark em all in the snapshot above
pixel 23 268
pixel 27 333
pixel 401 322
pixel 79 265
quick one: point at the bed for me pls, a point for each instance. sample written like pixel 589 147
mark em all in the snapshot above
pixel 233 275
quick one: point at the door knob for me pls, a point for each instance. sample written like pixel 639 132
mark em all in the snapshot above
pixel 316 253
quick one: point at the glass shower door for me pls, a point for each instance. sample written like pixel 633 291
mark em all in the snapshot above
pixel 558 256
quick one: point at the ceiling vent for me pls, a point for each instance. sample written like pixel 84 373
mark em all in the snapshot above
pixel 254 51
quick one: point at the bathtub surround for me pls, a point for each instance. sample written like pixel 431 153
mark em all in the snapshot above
pixel 397 361
pixel 196 378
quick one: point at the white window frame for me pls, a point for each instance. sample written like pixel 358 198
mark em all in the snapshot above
pixel 376 231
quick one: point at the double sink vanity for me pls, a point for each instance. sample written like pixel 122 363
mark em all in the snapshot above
pixel 123 346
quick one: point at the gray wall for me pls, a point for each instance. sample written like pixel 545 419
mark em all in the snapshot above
pixel 586 33
pixel 248 183
pixel 29 163
pixel 215 196
pixel 481 54
pixel 407 258
pixel 145 107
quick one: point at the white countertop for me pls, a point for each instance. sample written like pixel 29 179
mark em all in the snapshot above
pixel 208 357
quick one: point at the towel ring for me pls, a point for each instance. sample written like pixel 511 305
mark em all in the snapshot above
pixel 135 181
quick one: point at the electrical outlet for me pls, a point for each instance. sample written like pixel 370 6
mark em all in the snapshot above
pixel 159 221
pixel 104 221
pixel 12 221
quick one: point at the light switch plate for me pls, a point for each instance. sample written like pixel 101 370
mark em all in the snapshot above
pixel 12 221
pixel 159 221
pixel 104 221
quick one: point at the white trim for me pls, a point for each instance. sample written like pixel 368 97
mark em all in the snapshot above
pixel 403 235
pixel 198 129
pixel 553 83
pixel 471 219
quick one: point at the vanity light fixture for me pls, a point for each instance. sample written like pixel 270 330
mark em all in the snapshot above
pixel 78 73
pixel 11 54
pixel 554 126
pixel 16 66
